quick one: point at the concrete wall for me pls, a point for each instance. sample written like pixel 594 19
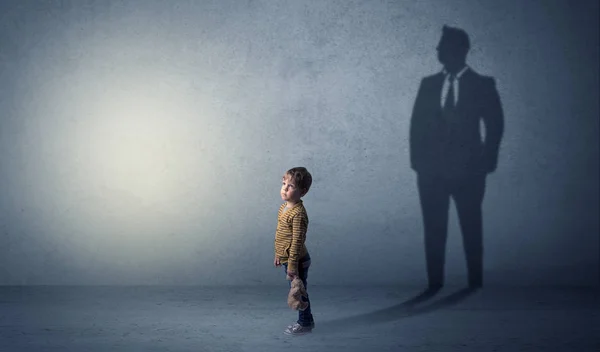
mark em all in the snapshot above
pixel 143 142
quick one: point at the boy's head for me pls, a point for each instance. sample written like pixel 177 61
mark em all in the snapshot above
pixel 295 184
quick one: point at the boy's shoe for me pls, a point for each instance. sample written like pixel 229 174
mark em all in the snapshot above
pixel 298 329
pixel 312 325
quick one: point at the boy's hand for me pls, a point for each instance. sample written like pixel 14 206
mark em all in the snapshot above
pixel 276 261
pixel 292 274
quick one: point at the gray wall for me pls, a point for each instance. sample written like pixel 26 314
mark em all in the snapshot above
pixel 143 142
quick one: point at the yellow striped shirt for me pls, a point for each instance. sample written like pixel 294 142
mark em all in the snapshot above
pixel 291 235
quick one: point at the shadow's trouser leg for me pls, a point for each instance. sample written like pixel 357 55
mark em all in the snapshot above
pixel 468 195
pixel 435 203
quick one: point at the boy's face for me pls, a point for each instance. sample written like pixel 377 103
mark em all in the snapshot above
pixel 289 191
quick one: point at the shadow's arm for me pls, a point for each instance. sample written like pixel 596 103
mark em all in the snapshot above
pixel 416 134
pixel 493 118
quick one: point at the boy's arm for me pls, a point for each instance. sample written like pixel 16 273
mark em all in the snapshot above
pixel 299 227
pixel 275 237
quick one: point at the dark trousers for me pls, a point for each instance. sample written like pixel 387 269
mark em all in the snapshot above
pixel 467 191
pixel 305 317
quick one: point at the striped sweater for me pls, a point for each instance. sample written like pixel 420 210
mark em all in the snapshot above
pixel 291 235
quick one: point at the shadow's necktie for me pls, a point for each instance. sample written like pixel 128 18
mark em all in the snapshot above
pixel 449 103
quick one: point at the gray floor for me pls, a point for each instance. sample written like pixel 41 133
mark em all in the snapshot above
pixel 252 319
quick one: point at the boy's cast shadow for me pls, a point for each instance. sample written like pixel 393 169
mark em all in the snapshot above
pixel 402 310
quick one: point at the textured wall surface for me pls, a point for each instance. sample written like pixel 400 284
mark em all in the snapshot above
pixel 143 142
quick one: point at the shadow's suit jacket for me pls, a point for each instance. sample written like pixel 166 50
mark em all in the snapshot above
pixel 452 144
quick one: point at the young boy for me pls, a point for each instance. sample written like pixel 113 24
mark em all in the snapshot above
pixel 290 250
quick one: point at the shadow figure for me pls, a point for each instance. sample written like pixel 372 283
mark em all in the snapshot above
pixel 402 310
pixel 451 155
pixel 422 297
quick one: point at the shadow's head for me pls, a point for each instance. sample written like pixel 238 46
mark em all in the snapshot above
pixel 453 48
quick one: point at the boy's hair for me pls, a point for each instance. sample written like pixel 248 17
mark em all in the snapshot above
pixel 301 177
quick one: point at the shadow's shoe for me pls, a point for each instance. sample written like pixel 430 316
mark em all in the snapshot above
pixel 298 329
pixel 434 287
pixel 475 285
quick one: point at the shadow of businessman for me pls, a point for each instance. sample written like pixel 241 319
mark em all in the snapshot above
pixel 399 311
pixel 450 155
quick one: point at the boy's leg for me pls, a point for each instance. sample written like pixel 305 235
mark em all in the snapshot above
pixel 305 317
pixel 284 265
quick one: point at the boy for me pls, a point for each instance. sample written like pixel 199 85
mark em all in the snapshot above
pixel 290 250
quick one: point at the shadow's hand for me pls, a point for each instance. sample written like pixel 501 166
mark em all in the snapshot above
pixel 488 163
